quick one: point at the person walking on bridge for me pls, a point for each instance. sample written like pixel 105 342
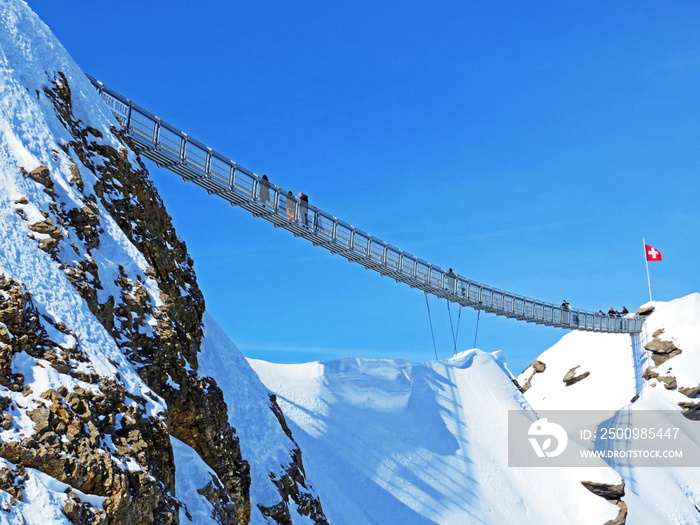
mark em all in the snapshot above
pixel 264 190
pixel 304 209
pixel 565 312
pixel 450 281
pixel 290 205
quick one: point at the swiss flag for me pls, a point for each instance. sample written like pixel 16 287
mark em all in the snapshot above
pixel 652 253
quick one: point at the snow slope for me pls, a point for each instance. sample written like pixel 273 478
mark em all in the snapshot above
pixel 398 442
pixel 654 495
pixel 262 438
pixel 614 361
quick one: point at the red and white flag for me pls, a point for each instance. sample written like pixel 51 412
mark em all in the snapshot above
pixel 652 253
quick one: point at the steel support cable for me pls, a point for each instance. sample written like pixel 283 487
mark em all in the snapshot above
pixel 476 332
pixel 430 319
pixel 452 328
pixel 459 318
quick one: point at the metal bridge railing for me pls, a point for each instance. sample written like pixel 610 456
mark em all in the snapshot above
pixel 170 148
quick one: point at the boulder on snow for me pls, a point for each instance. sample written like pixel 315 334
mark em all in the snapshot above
pixel 612 493
pixel 691 392
pixel 661 350
pixel 537 368
pixel 570 377
pixel 659 346
pixel 645 310
pixel 669 381
pixel 690 410
pixel 41 175
pixel 606 490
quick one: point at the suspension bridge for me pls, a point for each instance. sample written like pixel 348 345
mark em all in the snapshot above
pixel 195 162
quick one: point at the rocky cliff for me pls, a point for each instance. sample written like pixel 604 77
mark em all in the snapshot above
pixel 101 321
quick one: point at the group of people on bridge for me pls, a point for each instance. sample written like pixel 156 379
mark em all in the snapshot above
pixel 611 313
pixel 289 201
pixel 614 313
pixel 450 278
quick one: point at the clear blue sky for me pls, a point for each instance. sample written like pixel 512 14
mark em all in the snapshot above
pixel 528 145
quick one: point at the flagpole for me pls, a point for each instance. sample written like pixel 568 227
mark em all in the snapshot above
pixel 646 260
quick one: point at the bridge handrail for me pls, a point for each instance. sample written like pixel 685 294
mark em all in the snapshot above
pixel 193 160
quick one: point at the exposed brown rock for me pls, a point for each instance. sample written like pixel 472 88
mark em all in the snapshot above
pixel 621 518
pixel 71 426
pixel 645 310
pixel 277 411
pixel 197 413
pixel 612 493
pixel 80 513
pixel 12 481
pixel 669 381
pixel 606 490
pixel 661 350
pixel 224 509
pixel 691 392
pixel 537 368
pixel 76 178
pixel 292 485
pixel 41 176
pixel 48 245
pixel 690 410
pixel 570 377
pixel 660 347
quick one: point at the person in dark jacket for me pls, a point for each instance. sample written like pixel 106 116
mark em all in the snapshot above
pixel 290 205
pixel 450 280
pixel 304 208
pixel 264 190
pixel 625 310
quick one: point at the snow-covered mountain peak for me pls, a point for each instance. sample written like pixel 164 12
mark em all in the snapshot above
pixel 408 437
pixel 607 371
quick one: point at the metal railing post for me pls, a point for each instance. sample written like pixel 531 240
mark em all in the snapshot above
pixel 275 200
pixel 156 132
pixel 183 147
pixel 232 177
pixel 207 164
pixel 334 231
pixel 255 188
pixel 128 117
